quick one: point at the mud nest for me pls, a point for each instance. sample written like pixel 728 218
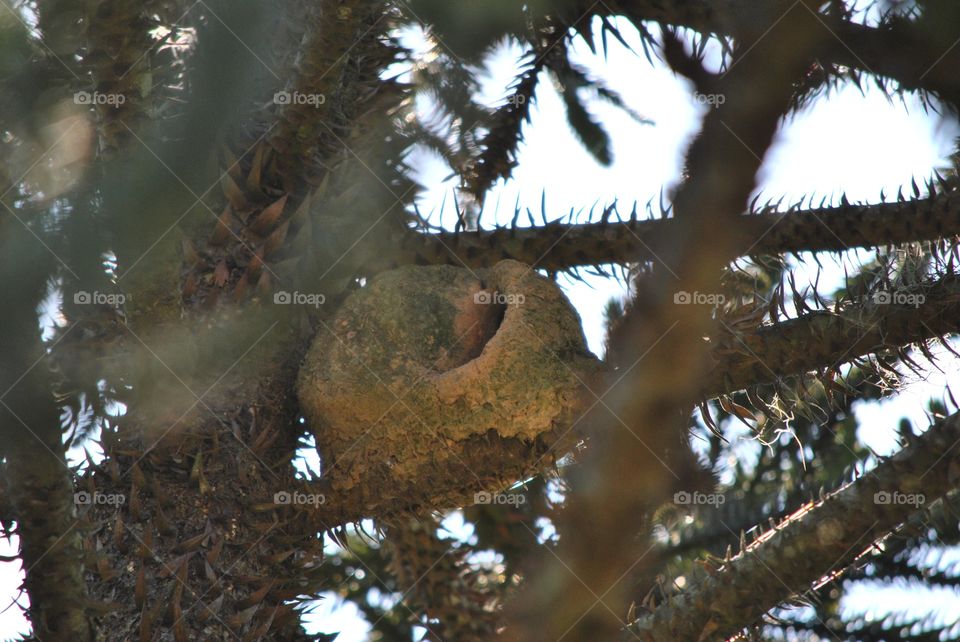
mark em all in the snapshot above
pixel 435 383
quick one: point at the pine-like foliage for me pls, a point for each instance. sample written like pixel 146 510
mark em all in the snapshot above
pixel 190 192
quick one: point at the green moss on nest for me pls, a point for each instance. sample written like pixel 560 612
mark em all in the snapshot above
pixel 439 382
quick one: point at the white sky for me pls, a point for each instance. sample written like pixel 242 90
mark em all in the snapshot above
pixel 853 142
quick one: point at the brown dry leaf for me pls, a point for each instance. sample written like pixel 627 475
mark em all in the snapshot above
pixel 140 588
pixel 118 530
pixel 233 165
pixel 241 619
pixel 214 553
pixel 233 193
pixel 256 170
pixel 162 522
pixel 145 549
pixel 255 265
pixel 103 568
pixel 179 629
pixel 208 572
pixel 257 596
pixel 736 409
pixel 210 609
pixel 190 254
pixel 240 289
pixel 189 286
pixel 171 569
pixel 221 273
pixel 147 618
pixel 276 239
pixel 267 219
pixel 191 544
pixel 222 231
pixel 133 508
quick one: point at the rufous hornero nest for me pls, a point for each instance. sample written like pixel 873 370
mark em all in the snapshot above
pixel 433 384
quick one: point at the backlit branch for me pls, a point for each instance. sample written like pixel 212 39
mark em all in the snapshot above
pixel 826 339
pixel 557 246
pixel 916 54
pixel 813 545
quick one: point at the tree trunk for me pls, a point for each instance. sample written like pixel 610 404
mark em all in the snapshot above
pixel 190 544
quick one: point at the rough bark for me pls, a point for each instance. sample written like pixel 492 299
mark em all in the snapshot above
pixel 314 107
pixel 558 246
pixel 37 481
pixel 436 578
pixel 118 57
pixel 198 546
pixel 603 531
pixel 828 338
pixel 207 542
pixel 41 494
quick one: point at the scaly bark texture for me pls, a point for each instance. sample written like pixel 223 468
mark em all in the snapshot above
pixel 118 57
pixel 197 547
pixel 37 482
pixel 335 77
pixel 435 578
pixel 211 540
pixel 829 338
pixel 558 246
pixel 806 548
pixel 41 495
